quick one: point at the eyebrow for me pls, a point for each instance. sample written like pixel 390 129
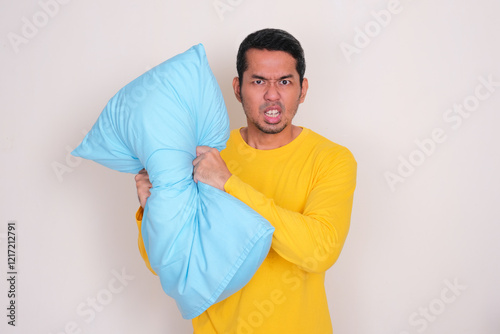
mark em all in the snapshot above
pixel 255 76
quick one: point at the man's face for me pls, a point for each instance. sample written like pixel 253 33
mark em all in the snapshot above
pixel 270 90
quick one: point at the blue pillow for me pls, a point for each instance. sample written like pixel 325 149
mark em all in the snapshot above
pixel 203 243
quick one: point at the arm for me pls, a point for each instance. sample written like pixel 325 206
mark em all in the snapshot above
pixel 312 239
pixel 208 165
pixel 143 185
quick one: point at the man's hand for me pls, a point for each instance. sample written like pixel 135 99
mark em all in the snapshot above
pixel 209 167
pixel 143 185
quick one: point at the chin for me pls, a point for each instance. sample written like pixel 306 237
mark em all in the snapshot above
pixel 272 130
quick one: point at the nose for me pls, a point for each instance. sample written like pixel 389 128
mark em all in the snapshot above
pixel 272 93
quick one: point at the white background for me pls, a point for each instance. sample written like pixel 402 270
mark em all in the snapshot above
pixel 75 219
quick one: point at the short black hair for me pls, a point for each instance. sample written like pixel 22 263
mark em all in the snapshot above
pixel 272 40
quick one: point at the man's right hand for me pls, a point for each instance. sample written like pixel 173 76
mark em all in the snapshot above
pixel 143 185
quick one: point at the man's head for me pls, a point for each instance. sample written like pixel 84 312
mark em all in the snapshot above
pixel 270 83
pixel 272 40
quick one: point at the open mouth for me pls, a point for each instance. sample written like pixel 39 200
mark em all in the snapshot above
pixel 272 115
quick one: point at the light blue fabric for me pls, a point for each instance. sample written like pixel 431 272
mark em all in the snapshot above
pixel 203 243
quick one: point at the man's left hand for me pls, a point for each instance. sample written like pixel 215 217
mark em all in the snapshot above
pixel 209 167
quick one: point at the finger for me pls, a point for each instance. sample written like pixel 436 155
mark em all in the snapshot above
pixel 195 176
pixel 143 200
pixel 195 169
pixel 142 175
pixel 200 157
pixel 202 149
pixel 137 177
pixel 143 193
pixel 141 178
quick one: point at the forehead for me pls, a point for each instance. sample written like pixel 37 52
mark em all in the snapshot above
pixel 270 64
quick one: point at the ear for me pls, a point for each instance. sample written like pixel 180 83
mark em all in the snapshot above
pixel 305 87
pixel 237 88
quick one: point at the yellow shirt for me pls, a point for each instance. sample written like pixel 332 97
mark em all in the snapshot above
pixel 305 190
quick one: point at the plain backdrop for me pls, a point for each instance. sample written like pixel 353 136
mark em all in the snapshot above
pixel 412 88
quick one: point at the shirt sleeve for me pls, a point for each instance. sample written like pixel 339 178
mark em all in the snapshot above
pixel 142 249
pixel 314 238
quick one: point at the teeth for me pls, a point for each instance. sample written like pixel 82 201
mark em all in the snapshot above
pixel 272 113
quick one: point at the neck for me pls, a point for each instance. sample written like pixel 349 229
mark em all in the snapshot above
pixel 265 141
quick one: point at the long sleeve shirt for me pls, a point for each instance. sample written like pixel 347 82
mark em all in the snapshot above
pixel 305 190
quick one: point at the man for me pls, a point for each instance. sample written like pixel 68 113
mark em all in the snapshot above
pixel 301 182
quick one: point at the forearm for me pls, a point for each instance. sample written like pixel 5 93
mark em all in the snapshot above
pixel 312 239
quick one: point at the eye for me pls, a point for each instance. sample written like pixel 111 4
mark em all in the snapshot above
pixel 285 82
pixel 258 82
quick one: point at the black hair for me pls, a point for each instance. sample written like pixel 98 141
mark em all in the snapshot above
pixel 272 40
